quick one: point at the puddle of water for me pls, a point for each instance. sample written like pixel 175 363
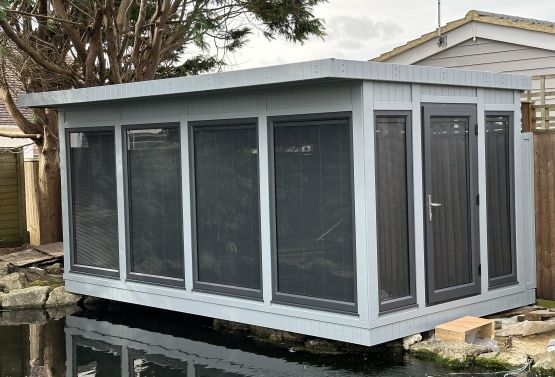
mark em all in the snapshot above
pixel 128 340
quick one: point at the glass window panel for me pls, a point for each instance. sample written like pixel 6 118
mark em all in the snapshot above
pixel 499 186
pixel 392 204
pixel 154 200
pixel 93 197
pixel 314 218
pixel 227 209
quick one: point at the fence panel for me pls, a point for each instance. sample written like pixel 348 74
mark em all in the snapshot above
pixel 544 193
pixel 31 168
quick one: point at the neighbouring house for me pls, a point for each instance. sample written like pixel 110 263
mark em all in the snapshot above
pixel 355 201
pixel 488 42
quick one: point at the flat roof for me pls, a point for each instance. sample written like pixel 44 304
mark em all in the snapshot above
pixel 317 70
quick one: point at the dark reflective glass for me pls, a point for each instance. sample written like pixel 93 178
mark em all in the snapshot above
pixel 93 198
pixel 450 167
pixel 227 210
pixel 499 186
pixel 314 216
pixel 392 204
pixel 154 200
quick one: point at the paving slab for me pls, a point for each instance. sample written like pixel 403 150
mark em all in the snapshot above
pixel 26 258
pixel 55 249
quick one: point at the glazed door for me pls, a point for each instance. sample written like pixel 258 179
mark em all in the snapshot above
pixel 451 202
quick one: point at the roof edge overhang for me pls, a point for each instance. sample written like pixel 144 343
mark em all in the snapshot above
pixel 317 70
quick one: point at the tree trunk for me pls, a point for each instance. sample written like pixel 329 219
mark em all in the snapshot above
pixel 50 203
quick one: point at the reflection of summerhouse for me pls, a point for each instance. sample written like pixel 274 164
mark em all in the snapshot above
pixel 349 200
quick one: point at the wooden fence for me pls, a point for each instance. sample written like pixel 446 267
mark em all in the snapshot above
pixel 31 168
pixel 537 118
pixel 12 199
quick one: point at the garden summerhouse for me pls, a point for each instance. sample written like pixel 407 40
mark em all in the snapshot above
pixel 349 200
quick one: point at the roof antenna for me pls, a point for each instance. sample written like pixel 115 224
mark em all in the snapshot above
pixel 441 39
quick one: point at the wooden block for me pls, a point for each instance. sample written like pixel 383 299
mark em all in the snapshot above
pixel 465 329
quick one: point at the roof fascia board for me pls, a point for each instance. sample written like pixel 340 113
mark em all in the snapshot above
pixel 282 74
pixel 529 38
pixel 430 47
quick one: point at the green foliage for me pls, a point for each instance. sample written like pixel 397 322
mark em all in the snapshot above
pixel 192 66
pixel 292 19
pixel 89 43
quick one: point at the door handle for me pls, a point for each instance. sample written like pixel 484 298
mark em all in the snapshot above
pixel 430 206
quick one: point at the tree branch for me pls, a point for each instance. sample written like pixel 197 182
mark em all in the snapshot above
pixel 21 136
pixel 38 58
pixel 42 16
pixel 70 30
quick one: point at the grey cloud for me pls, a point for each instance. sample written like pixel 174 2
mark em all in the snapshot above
pixel 350 32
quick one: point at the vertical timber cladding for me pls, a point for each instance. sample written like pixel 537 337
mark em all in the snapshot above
pixel 10 206
pixel 544 179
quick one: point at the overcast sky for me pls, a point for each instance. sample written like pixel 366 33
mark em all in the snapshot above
pixel 362 29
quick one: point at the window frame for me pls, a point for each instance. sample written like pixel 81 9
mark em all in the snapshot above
pixel 290 299
pixel 410 300
pixel 512 278
pixel 136 276
pixel 79 268
pixel 203 286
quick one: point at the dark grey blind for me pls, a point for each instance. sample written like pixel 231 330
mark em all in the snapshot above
pixel 93 198
pixel 499 186
pixel 154 200
pixel 314 214
pixel 393 205
pixel 227 209
pixel 451 172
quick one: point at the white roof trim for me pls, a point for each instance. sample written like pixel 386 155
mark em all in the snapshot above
pixel 281 74
pixel 474 29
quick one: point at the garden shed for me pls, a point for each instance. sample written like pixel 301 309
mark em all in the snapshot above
pixel 355 201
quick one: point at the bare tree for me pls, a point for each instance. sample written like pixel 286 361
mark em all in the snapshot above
pixel 62 44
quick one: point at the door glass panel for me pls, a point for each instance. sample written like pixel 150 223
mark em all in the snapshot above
pixel 450 184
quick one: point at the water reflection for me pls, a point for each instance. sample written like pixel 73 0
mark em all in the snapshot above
pixel 32 349
pixel 140 342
